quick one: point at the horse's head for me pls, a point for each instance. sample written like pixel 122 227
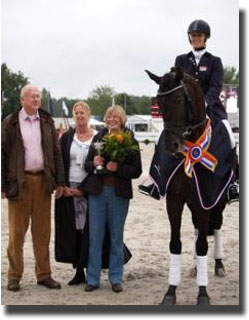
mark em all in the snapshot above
pixel 182 106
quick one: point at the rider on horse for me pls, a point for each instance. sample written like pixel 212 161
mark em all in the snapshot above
pixel 208 72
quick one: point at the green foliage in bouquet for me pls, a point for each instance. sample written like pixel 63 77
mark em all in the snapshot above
pixel 116 147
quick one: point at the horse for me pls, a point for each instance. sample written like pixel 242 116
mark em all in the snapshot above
pixel 183 109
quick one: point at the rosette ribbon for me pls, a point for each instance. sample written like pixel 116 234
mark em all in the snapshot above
pixel 197 152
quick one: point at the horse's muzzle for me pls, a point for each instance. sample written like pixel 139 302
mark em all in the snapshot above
pixel 173 143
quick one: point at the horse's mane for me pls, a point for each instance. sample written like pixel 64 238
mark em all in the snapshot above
pixel 192 86
pixel 179 75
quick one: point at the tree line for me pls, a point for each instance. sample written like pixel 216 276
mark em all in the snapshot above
pixel 99 99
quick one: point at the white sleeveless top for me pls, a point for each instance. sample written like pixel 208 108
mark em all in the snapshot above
pixel 78 153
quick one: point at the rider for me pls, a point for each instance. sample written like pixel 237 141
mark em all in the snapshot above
pixel 208 72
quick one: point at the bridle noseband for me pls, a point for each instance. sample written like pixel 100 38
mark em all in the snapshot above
pixel 182 128
pixel 170 91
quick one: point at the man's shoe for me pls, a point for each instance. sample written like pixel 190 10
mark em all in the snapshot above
pixel 91 287
pixel 13 285
pixel 49 283
pixel 233 192
pixel 117 287
pixel 150 190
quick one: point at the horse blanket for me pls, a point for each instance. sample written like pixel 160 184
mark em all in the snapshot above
pixel 210 186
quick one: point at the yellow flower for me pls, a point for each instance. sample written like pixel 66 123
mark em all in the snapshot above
pixel 119 138
pixel 116 147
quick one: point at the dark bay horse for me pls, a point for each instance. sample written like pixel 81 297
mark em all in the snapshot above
pixel 182 105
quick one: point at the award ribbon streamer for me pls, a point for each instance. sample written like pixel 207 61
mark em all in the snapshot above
pixel 197 152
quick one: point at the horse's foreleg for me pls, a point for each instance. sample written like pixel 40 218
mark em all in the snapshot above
pixel 218 254
pixel 170 296
pixel 201 265
pixel 202 280
pixel 174 279
pixel 174 213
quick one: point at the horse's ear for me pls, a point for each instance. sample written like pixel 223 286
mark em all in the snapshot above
pixel 153 77
pixel 178 73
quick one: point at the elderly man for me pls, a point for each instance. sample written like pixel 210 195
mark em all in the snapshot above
pixel 31 169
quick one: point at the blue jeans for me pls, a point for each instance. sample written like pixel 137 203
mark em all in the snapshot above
pixel 106 208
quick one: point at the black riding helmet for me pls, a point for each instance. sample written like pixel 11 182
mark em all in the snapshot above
pixel 199 26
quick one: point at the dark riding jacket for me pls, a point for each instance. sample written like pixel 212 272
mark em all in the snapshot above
pixel 209 74
pixel 12 153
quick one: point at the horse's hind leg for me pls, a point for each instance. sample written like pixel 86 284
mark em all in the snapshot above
pixel 219 268
pixel 174 210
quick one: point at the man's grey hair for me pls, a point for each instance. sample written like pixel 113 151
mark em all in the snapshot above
pixel 26 88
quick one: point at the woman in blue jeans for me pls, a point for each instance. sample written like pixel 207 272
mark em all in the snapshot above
pixel 109 195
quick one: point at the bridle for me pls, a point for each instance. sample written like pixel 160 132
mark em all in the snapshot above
pixel 182 128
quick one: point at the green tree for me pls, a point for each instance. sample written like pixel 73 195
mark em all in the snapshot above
pixel 124 100
pixel 11 84
pixel 100 99
pixel 231 76
pixel 44 100
pixel 140 105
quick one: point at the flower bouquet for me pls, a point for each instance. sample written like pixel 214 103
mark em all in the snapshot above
pixel 116 147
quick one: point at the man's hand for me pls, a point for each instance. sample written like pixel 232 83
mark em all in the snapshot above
pixel 72 192
pixel 76 192
pixel 59 192
pixel 67 192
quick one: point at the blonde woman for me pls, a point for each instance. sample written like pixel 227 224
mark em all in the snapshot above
pixel 109 197
pixel 71 238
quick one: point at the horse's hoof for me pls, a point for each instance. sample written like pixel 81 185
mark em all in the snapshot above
pixel 220 272
pixel 204 301
pixel 169 300
pixel 193 272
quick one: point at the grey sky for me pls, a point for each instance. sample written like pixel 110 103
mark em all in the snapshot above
pixel 70 47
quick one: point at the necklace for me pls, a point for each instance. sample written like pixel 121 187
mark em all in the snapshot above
pixel 83 136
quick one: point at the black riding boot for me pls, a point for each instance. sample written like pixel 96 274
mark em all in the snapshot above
pixel 233 188
pixel 78 278
pixel 150 190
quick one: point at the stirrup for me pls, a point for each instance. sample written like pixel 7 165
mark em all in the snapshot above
pixel 149 190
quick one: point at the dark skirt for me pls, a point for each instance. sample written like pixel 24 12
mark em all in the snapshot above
pixel 71 245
